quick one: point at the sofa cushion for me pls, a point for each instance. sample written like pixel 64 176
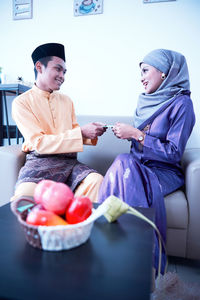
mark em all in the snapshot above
pixel 177 210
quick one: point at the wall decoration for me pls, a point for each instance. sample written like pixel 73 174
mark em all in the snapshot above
pixel 155 1
pixel 88 7
pixel 22 9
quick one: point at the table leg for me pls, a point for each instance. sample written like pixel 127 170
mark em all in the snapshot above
pixel 1 118
pixel 17 131
pixel 7 122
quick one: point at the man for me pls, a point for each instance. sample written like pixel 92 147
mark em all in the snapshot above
pixel 51 134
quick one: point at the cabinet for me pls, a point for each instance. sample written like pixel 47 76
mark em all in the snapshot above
pixel 8 131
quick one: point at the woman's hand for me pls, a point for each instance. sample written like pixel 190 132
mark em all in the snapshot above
pixel 126 131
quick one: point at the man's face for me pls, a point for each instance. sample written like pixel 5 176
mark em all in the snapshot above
pixel 51 77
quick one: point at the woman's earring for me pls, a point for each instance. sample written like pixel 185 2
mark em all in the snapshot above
pixel 163 76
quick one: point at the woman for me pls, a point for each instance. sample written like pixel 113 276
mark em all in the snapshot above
pixel 163 121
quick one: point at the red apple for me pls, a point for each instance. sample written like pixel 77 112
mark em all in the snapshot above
pixel 40 189
pixel 54 196
pixel 79 209
pixel 43 217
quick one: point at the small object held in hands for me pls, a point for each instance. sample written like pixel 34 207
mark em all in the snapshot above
pixel 108 126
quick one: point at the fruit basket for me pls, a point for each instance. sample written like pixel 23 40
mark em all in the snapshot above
pixel 52 238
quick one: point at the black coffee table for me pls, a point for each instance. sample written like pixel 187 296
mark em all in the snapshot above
pixel 115 263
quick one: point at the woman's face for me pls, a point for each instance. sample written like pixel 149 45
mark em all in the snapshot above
pixel 150 78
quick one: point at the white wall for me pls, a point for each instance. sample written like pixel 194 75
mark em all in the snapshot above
pixel 103 51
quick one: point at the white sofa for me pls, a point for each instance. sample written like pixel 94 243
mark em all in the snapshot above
pixel 183 207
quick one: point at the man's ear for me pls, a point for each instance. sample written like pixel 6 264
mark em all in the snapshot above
pixel 38 67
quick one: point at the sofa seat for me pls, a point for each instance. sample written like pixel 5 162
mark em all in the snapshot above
pixel 177 223
pixel 176 210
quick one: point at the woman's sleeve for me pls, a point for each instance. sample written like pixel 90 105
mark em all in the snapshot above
pixel 171 149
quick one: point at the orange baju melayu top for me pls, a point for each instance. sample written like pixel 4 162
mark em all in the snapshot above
pixel 48 123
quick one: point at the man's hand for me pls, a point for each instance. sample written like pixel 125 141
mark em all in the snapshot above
pixel 93 130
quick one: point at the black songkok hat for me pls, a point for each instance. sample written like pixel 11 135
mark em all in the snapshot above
pixel 50 49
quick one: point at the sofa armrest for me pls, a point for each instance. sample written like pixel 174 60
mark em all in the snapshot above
pixel 11 160
pixel 191 166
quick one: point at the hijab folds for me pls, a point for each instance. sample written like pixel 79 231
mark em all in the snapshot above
pixel 174 65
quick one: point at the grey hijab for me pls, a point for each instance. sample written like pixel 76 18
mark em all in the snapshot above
pixel 174 65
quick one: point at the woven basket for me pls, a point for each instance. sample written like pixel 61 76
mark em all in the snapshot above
pixel 52 238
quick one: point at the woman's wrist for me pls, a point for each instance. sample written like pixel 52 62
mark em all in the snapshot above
pixel 140 136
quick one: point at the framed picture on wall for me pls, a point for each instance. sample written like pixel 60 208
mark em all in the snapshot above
pixel 22 9
pixel 88 7
pixel 154 1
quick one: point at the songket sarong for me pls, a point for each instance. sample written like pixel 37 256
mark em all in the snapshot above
pixel 140 185
pixel 57 167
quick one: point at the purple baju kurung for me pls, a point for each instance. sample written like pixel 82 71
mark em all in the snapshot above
pixel 150 172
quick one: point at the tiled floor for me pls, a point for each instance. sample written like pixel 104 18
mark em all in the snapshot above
pixel 187 269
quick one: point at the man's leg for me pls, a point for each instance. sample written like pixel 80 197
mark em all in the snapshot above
pixel 24 189
pixel 90 186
